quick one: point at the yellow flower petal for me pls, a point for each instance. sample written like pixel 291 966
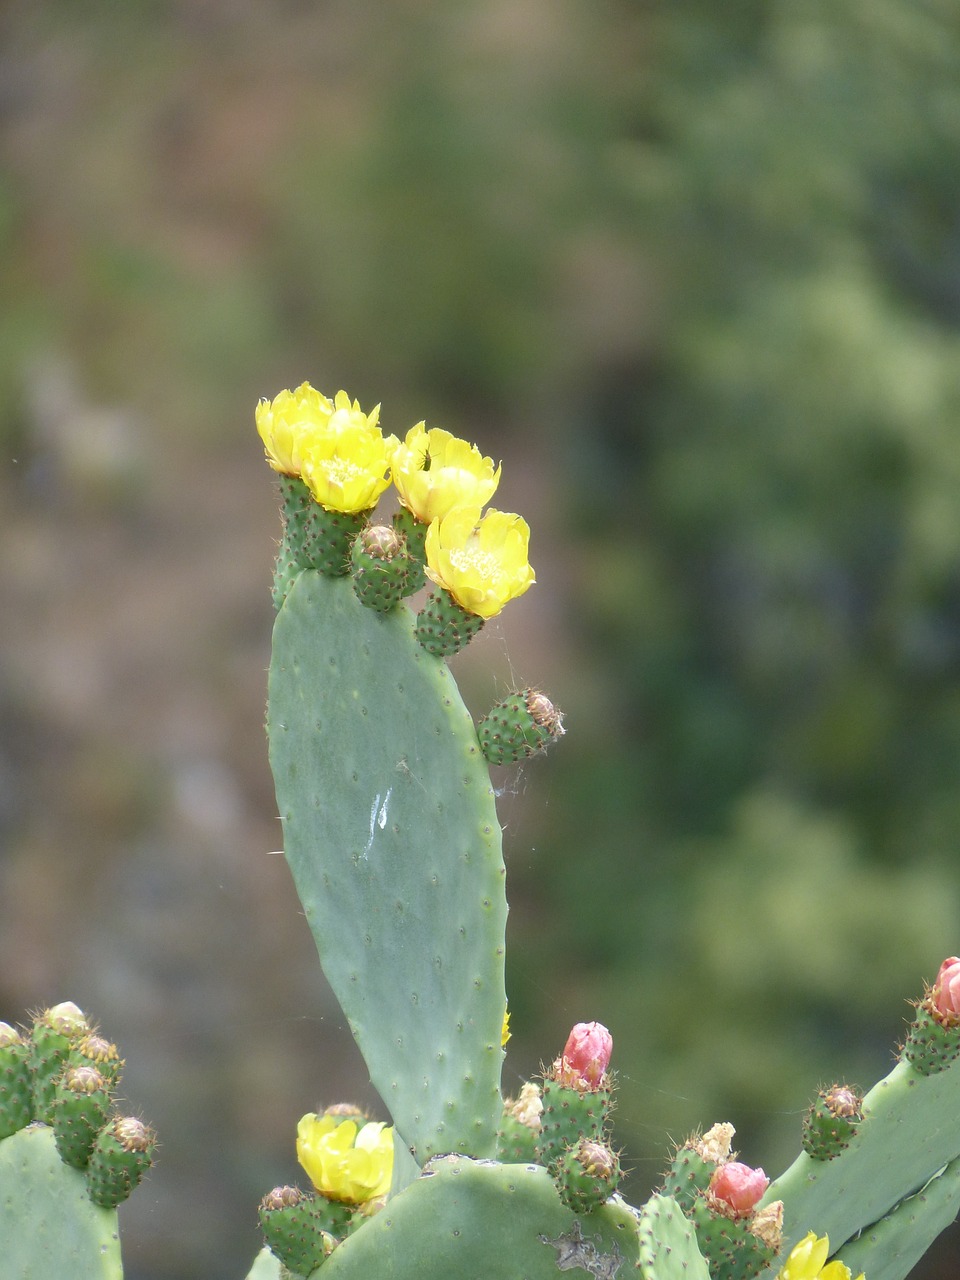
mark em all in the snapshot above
pixel 348 469
pixel 435 471
pixel 505 1029
pixel 288 422
pixel 806 1261
pixel 345 1163
pixel 481 561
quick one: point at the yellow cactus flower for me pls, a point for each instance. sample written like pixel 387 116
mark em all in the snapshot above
pixel 481 561
pixel 505 1031
pixel 346 1162
pixel 289 421
pixel 347 471
pixel 434 472
pixel 806 1261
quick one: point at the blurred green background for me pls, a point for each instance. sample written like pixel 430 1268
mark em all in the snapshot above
pixel 693 271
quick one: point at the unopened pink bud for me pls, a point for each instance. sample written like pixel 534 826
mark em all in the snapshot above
pixel 737 1188
pixel 586 1056
pixel 946 989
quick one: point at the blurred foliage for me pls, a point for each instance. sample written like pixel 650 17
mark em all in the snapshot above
pixel 695 271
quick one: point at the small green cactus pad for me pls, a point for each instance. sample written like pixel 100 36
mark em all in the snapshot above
pixel 890 1248
pixel 520 725
pixel 569 1115
pixel 689 1174
pixel 313 538
pixel 16 1081
pixel 48 1226
pixel 383 570
pixel 587 1175
pixel 80 1110
pixel 831 1121
pixel 391 833
pixel 932 1042
pixel 668 1243
pixel 122 1154
pixel 519 1131
pixel 293 1228
pixel 908 1134
pixel 443 626
pixel 53 1034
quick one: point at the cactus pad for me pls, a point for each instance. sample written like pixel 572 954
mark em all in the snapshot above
pixel 391 834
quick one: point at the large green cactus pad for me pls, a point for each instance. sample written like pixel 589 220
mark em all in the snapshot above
pixel 908 1134
pixel 48 1225
pixel 391 833
pixel 477 1220
pixel 890 1248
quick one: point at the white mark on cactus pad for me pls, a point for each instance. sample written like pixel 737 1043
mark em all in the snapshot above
pixel 378 817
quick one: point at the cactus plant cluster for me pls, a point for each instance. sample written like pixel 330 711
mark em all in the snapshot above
pixel 68 1156
pixel 391 835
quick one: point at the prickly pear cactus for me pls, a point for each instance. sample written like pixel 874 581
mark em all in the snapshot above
pixel 391 833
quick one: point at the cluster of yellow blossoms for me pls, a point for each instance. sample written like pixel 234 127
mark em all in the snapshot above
pixel 342 456
pixel 346 1161
pixel 807 1258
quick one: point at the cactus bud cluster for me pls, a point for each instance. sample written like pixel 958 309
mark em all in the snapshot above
pixel 576 1103
pixel 63 1073
pixel 721 1196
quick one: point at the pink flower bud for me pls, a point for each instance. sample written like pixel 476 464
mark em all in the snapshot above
pixel 946 989
pixel 737 1188
pixel 586 1056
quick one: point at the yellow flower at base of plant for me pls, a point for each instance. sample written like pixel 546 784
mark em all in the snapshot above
pixel 434 472
pixel 481 561
pixel 346 1162
pixel 288 421
pixel 806 1261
